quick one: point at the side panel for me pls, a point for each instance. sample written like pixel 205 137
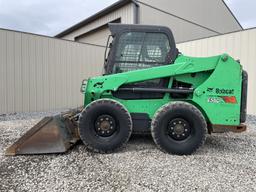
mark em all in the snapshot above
pixel 241 45
pixel 225 83
pixel 209 95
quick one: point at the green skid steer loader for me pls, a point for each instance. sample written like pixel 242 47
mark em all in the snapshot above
pixel 147 87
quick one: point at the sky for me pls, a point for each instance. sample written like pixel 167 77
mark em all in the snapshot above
pixel 49 17
pixel 244 10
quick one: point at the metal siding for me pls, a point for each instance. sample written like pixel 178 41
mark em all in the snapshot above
pixel 125 13
pixel 3 69
pixel 99 37
pixel 182 30
pixel 17 70
pixel 209 13
pixel 10 71
pixel 240 45
pixel 39 73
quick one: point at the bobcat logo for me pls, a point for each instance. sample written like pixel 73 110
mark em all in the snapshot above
pixel 225 91
pixel 210 89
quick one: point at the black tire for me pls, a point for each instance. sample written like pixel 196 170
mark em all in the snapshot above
pixel 105 125
pixel 179 128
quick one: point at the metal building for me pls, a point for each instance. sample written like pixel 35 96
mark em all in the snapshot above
pixel 189 20
pixel 39 73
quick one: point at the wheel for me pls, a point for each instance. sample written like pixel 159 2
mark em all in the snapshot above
pixel 105 125
pixel 179 128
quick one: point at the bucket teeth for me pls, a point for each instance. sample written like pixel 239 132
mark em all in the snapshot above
pixel 51 135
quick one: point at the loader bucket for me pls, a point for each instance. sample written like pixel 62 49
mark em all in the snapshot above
pixel 51 135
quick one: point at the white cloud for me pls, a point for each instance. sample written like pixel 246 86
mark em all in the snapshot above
pixel 47 17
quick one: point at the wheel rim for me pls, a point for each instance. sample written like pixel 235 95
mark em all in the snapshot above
pixel 178 129
pixel 105 126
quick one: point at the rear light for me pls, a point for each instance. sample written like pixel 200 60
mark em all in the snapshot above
pixel 83 86
pixel 229 99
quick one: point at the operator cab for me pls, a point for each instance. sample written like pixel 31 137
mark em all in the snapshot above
pixel 136 47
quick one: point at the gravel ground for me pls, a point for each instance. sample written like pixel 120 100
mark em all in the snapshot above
pixel 227 162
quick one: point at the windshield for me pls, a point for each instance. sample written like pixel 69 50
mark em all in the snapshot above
pixel 140 50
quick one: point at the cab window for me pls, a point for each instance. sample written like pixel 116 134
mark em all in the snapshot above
pixel 140 50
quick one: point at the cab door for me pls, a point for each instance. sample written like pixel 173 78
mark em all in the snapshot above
pixel 141 50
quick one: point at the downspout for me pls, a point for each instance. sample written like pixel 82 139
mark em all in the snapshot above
pixel 136 12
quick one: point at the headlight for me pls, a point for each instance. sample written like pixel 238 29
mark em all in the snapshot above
pixel 83 86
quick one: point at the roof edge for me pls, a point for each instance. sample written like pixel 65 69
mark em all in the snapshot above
pixel 50 37
pixel 233 15
pixel 202 38
pixel 101 13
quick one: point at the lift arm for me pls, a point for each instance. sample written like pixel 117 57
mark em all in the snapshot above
pixel 183 65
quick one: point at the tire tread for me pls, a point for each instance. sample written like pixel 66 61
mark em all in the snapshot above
pixel 100 102
pixel 174 105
